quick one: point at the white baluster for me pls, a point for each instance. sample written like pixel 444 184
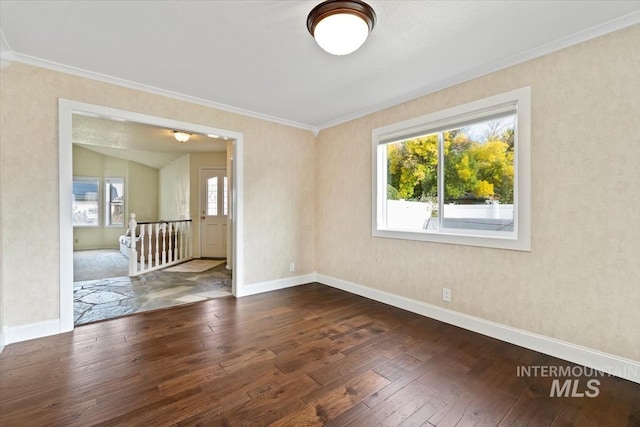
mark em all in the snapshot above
pixel 150 233
pixel 181 239
pixel 176 248
pixel 183 253
pixel 187 238
pixel 133 254
pixel 142 257
pixel 164 243
pixel 176 239
pixel 170 243
pixel 157 244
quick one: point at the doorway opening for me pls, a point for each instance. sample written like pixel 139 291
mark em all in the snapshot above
pixel 70 111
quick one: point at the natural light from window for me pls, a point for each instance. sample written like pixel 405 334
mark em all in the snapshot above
pixel 85 206
pixel 114 202
pixel 456 176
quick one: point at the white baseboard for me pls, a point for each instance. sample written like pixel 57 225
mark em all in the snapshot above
pixel 3 338
pixel 31 331
pixel 604 362
pixel 274 285
pixel 13 334
pixel 608 363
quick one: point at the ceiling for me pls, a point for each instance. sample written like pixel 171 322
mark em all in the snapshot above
pixel 146 144
pixel 257 58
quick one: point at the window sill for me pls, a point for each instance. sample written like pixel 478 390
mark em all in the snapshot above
pixel 495 242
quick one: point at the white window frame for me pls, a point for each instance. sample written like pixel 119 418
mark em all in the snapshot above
pixel 520 239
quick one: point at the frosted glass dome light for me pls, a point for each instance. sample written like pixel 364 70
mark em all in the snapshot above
pixel 181 136
pixel 341 27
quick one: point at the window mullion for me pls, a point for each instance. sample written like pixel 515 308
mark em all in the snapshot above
pixel 383 178
pixel 440 179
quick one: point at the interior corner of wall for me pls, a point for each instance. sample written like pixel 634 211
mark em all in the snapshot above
pixel 3 337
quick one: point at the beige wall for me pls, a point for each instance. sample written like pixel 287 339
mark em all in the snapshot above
pixel 581 281
pixel 142 190
pixel 141 195
pixel 2 323
pixel 91 164
pixel 278 213
pixel 196 162
pixel 174 190
pixel 282 174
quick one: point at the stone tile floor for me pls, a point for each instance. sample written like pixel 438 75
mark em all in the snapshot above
pixel 95 300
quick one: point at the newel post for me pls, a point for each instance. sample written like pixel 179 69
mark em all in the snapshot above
pixel 133 254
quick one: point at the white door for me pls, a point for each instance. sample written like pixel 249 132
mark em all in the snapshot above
pixel 214 208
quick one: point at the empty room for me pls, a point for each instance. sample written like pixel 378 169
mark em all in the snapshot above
pixel 306 213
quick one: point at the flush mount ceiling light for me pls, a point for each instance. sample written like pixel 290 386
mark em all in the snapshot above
pixel 341 27
pixel 181 136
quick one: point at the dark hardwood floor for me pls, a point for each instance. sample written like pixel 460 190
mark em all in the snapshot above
pixel 309 355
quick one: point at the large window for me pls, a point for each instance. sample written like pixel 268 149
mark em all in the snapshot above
pixel 89 201
pixel 86 192
pixel 457 176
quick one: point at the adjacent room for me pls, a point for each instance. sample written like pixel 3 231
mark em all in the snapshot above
pixel 340 213
pixel 122 168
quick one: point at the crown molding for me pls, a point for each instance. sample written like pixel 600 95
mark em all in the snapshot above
pixel 43 63
pixel 7 56
pixel 568 41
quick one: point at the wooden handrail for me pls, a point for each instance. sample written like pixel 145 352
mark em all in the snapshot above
pixel 163 222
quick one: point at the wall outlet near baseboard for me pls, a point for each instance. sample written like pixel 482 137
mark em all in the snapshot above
pixel 446 294
pixel 292 267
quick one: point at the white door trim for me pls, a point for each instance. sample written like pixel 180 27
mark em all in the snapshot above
pixel 66 109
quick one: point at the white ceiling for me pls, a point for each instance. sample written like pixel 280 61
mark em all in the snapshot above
pixel 142 143
pixel 257 57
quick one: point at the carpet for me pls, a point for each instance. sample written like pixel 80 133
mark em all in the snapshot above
pixel 196 266
pixel 99 264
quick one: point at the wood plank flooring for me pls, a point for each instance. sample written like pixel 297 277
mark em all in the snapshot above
pixel 305 356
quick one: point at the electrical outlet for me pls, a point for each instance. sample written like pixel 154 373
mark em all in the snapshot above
pixel 446 294
pixel 292 267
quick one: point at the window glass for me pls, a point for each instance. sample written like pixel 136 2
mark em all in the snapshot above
pixel 85 202
pixel 454 176
pixel 212 196
pixel 114 202
pixel 225 200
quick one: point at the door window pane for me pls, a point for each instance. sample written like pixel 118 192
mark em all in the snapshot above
pixel 225 200
pixel 212 196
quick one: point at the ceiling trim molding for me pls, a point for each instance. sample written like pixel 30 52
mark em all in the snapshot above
pixel 568 41
pixel 7 56
pixel 43 63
